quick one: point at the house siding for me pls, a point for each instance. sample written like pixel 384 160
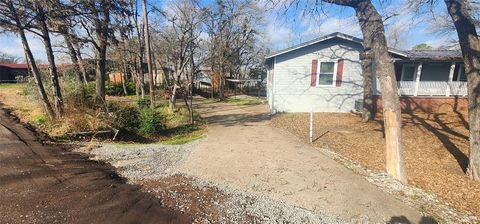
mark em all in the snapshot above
pixel 291 90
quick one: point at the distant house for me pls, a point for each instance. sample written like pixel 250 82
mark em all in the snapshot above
pixel 325 75
pixel 13 72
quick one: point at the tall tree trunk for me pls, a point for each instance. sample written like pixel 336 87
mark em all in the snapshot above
pixel 148 55
pixel 135 76
pixel 124 76
pixel 81 65
pixel 367 70
pixel 31 60
pixel 190 85
pixel 173 97
pixel 372 27
pixel 101 32
pixel 36 74
pixel 470 46
pixel 141 77
pixel 221 89
pixel 100 73
pixel 74 59
pixel 57 94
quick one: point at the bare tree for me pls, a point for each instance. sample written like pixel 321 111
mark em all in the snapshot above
pixel 6 58
pixel 459 11
pixel 371 24
pixel 41 16
pixel 231 28
pixel 96 17
pixel 148 54
pixel 464 21
pixel 65 28
pixel 13 21
pixel 140 49
pixel 181 36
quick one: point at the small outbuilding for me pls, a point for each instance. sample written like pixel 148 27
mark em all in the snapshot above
pixel 13 72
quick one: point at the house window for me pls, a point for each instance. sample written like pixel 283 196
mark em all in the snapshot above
pixel 461 73
pixel 326 74
pixel 408 72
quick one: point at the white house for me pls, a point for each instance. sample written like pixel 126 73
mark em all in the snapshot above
pixel 325 75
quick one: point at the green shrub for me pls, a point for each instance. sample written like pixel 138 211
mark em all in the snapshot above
pixel 90 89
pixel 143 103
pixel 116 89
pixel 127 118
pixel 130 88
pixel 40 120
pixel 152 122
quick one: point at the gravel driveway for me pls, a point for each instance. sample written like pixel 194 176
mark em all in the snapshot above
pixel 243 151
pixel 155 167
pixel 246 171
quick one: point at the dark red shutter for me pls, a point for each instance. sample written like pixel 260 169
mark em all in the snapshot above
pixel 313 75
pixel 339 72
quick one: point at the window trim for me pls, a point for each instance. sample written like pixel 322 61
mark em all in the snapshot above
pixel 461 68
pixel 414 72
pixel 334 80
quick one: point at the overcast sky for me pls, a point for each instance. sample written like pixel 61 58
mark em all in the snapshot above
pixel 286 28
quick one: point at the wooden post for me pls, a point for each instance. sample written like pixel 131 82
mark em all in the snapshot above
pixel 450 78
pixel 311 126
pixel 417 78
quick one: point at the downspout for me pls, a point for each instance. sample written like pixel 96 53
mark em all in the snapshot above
pixel 274 111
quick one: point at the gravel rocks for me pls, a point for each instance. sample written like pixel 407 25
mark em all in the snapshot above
pixel 154 166
pixel 240 204
pixel 141 162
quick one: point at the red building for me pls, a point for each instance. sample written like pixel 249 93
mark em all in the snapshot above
pixel 13 72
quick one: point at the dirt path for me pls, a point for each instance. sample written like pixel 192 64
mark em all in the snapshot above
pixel 242 150
pixel 46 184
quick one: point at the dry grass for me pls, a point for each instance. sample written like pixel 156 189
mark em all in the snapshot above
pixel 436 149
pixel 13 97
pixel 29 110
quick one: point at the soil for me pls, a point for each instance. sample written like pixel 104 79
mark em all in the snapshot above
pixel 435 146
pixel 42 183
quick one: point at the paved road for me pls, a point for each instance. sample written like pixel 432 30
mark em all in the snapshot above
pixel 244 151
pixel 46 184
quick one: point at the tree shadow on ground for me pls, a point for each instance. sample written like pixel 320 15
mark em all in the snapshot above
pixel 404 220
pixel 441 129
pixel 433 123
pixel 228 120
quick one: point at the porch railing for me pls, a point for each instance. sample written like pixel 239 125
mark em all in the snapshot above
pixel 430 88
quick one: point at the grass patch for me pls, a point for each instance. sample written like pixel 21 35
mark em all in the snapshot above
pixel 183 134
pixel 181 139
pixel 242 101
pixel 13 97
pixel 11 85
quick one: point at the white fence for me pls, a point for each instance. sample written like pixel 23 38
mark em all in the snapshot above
pixel 429 88
pixel 458 88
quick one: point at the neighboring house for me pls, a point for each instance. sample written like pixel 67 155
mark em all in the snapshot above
pixel 13 72
pixel 325 75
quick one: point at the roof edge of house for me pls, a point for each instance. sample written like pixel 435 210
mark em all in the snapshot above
pixel 328 37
